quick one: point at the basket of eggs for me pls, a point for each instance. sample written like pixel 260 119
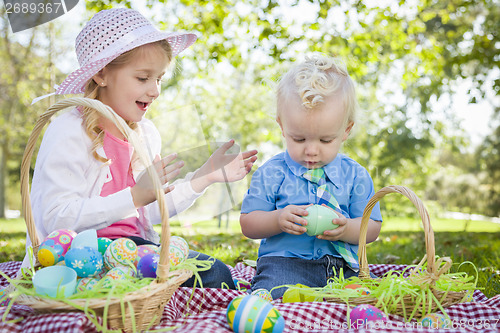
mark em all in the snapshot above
pixel 136 306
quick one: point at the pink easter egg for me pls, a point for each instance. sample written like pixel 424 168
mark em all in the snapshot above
pixel 362 316
pixel 62 237
pixel 148 265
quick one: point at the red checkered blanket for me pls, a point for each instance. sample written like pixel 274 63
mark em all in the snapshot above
pixel 206 312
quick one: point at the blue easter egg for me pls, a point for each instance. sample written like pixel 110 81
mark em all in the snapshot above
pixel 86 261
pixel 252 314
pixel 148 265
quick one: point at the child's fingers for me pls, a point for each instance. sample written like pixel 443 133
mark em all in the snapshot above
pixel 168 159
pixel 249 154
pixel 171 171
pixel 226 146
pixel 169 189
pixel 294 229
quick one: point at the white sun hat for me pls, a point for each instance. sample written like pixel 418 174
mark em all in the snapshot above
pixel 109 34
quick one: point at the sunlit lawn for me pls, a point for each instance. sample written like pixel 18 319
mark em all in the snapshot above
pixel 401 242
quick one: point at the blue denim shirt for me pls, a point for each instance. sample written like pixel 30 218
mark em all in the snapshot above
pixel 279 183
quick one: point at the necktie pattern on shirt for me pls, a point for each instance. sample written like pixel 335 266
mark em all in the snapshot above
pixel 346 250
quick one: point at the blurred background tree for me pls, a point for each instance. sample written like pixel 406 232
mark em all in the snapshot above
pixel 408 59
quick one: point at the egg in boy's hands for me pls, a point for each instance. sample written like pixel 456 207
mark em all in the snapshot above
pixel 339 227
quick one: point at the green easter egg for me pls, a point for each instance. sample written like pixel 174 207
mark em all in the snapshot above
pixel 319 220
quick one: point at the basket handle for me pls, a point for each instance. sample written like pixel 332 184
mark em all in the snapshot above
pixel 131 136
pixel 364 271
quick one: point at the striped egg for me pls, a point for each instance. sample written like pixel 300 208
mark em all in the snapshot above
pixel 252 314
pixel 121 252
pixel 178 250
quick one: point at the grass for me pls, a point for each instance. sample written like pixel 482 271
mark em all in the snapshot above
pixel 400 242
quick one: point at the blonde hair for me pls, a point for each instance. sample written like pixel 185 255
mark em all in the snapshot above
pixel 91 117
pixel 315 79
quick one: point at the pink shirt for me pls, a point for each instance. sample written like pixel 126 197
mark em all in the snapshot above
pixel 119 152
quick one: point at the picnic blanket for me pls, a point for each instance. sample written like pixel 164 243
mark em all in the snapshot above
pixel 204 311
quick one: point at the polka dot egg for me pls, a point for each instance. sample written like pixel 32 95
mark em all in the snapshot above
pixel 121 252
pixel 54 247
pixel 252 314
pixel 434 321
pixel 362 314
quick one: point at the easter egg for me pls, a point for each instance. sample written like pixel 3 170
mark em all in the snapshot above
pixel 434 321
pixel 61 263
pixel 86 283
pixel 142 250
pixel 181 243
pixel 121 252
pixel 101 273
pixel 4 301
pixel 354 286
pixel 362 314
pixel 49 254
pixel 116 274
pixel 178 250
pixel 242 285
pixel 62 237
pixel 86 238
pixel 263 293
pixel 148 265
pixel 252 314
pixel 102 244
pixel 85 261
pixel 319 220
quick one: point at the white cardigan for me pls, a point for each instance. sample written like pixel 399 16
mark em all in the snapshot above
pixel 68 180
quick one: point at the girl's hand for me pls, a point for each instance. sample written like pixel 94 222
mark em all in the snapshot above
pixel 290 219
pixel 143 191
pixel 222 167
pixel 336 234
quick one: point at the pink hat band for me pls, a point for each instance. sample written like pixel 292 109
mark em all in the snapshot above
pixel 109 34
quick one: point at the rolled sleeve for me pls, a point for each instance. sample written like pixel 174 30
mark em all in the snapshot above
pixel 361 193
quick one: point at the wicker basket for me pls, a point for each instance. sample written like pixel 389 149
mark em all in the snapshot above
pixel 146 304
pixel 434 268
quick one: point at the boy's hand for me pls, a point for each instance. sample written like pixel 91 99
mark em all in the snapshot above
pixel 290 219
pixel 337 233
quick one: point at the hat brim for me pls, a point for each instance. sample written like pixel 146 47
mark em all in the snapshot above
pixel 75 82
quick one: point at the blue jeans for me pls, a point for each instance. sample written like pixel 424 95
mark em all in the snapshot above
pixel 213 278
pixel 277 271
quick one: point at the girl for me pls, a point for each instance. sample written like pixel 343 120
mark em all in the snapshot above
pixel 86 174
